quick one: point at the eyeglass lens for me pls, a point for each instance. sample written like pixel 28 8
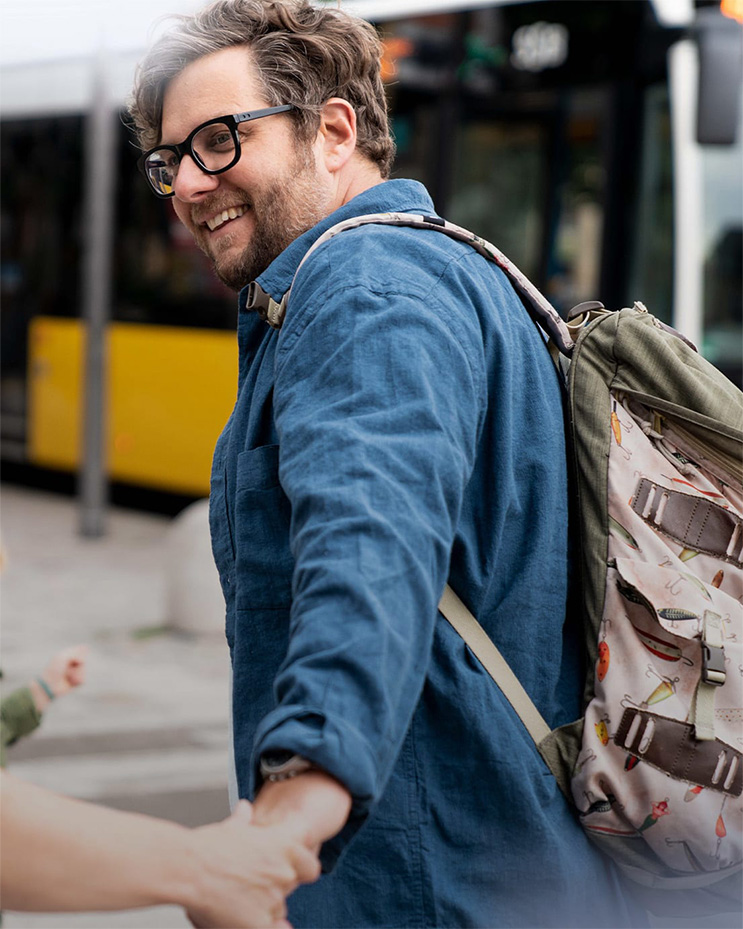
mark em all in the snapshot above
pixel 213 148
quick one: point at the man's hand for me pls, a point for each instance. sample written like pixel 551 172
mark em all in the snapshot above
pixel 247 872
pixel 314 803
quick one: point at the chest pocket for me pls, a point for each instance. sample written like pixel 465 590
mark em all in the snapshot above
pixel 264 562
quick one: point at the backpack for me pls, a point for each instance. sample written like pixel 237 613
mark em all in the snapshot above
pixel 654 767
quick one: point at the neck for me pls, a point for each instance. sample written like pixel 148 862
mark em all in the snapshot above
pixel 358 175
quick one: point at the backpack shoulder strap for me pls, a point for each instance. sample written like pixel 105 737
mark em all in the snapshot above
pixel 494 663
pixel 543 311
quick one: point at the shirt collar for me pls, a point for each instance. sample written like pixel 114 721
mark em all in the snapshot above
pixel 391 196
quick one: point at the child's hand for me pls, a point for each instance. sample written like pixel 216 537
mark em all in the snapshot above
pixel 66 670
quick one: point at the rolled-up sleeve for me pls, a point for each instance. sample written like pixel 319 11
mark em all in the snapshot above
pixel 378 399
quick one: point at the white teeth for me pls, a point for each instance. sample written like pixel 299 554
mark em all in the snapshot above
pixel 232 213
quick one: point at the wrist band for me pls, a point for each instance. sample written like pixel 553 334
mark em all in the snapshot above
pixel 46 688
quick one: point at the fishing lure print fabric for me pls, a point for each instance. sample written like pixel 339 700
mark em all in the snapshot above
pixel 661 758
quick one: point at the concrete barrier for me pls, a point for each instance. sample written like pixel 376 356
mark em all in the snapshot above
pixel 194 601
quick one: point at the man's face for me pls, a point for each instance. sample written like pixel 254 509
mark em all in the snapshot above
pixel 246 217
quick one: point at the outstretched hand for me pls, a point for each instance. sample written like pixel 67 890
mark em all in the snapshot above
pixel 248 871
pixel 66 670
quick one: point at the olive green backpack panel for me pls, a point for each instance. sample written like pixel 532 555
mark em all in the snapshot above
pixel 629 352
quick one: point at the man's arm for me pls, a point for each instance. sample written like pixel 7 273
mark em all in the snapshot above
pixel 63 854
pixel 377 402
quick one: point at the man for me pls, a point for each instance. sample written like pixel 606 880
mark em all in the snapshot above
pixel 402 427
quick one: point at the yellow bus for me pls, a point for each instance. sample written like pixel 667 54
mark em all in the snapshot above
pixel 565 132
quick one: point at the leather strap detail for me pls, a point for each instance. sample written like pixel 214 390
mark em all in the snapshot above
pixel 670 746
pixel 691 521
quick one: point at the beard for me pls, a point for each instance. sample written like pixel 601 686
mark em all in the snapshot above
pixel 281 211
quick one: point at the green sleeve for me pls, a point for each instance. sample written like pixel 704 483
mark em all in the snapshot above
pixel 18 717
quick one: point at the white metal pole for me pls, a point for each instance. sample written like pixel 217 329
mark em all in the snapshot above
pixel 688 193
pixel 100 156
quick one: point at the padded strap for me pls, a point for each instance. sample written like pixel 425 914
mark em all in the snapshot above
pixel 546 315
pixel 494 663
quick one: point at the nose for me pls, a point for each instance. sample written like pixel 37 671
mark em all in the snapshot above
pixel 191 183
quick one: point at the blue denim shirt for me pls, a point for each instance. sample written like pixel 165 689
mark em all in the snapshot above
pixel 405 427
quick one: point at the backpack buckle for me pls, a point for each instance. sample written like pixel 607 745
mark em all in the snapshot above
pixel 713 665
pixel 265 306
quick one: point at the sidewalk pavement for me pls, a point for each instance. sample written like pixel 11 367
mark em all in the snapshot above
pixel 148 731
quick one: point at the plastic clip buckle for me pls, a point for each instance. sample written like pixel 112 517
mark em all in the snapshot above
pixel 713 665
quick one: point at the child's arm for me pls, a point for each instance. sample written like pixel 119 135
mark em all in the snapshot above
pixel 21 710
pixel 19 715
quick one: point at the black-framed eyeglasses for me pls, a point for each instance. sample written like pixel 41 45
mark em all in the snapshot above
pixel 214 146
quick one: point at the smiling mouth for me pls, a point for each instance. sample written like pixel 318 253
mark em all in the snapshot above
pixel 234 212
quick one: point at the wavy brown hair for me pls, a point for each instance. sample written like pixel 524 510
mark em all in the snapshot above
pixel 303 54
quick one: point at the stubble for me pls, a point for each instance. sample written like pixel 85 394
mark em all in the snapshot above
pixel 281 212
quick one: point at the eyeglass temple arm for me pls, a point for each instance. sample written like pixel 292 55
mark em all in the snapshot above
pixel 258 114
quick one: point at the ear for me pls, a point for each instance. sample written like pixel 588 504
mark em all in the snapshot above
pixel 337 133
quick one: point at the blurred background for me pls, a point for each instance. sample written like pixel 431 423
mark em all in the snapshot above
pixel 596 142
pixel 568 132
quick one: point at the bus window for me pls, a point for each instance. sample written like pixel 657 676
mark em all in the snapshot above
pixel 651 271
pixel 418 67
pixel 722 341
pixel 498 190
pixel 41 220
pixel 579 177
pixel 414 125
